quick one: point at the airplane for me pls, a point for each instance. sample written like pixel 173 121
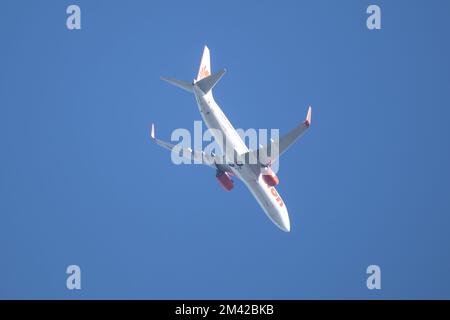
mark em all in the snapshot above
pixel 258 177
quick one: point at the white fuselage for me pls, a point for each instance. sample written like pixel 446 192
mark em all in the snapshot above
pixel 250 174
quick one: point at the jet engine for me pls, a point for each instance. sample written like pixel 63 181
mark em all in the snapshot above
pixel 270 177
pixel 225 180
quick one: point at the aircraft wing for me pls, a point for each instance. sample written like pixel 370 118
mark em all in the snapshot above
pixel 265 155
pixel 189 154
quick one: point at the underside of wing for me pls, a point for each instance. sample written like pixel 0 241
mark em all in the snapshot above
pixel 269 153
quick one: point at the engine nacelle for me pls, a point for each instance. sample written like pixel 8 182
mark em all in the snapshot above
pixel 225 180
pixel 270 177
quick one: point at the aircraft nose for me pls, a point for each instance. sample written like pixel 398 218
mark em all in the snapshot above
pixel 285 224
pixel 281 219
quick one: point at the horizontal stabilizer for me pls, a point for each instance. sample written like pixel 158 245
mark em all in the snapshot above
pixel 179 83
pixel 206 84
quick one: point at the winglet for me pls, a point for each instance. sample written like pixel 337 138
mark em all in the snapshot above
pixel 152 133
pixel 308 117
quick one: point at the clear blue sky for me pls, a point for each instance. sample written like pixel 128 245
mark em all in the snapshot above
pixel 81 184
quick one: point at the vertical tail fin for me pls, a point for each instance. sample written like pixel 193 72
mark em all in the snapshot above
pixel 205 80
pixel 205 65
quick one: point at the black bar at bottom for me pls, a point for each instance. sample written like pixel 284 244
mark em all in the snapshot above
pixel 227 309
